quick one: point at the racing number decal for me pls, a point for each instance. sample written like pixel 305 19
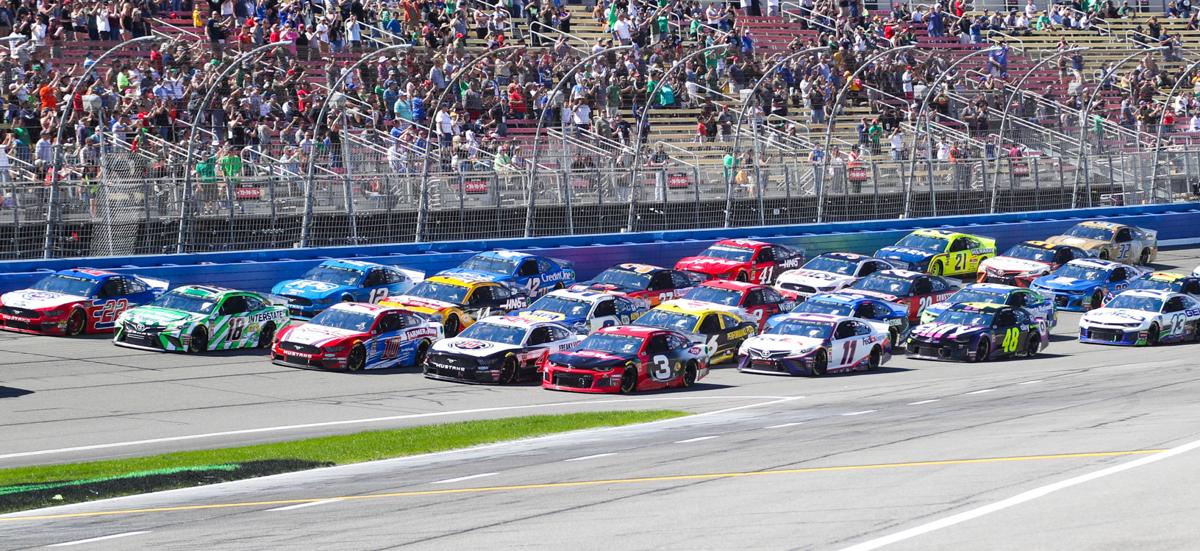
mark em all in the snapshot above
pixel 848 352
pixel 764 276
pixel 1123 251
pixel 534 283
pixel 391 349
pixel 236 326
pixel 662 368
pixel 110 310
pixel 960 262
pixel 378 295
pixel 1012 338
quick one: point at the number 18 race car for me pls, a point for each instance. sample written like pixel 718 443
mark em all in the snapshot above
pixel 816 344
pixel 743 260
pixel 1143 318
pixel 75 301
pixel 498 350
pixel 198 318
pixel 625 360
pixel 977 332
pixel 356 336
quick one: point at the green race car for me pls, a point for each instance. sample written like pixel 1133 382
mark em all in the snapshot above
pixel 198 318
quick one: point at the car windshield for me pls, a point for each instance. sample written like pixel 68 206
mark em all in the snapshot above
pixel 818 306
pixel 990 296
pixel 882 283
pixel 1027 252
pixel 490 264
pixel 924 242
pixel 444 292
pixel 67 285
pixel 1156 284
pixel 343 319
pixel 728 297
pixel 336 275
pixel 1080 272
pixel 491 332
pixel 729 253
pixel 1091 232
pixel 966 317
pixel 614 344
pixel 623 279
pixel 1145 304
pixel 839 266
pixel 176 300
pixel 678 321
pixel 570 307
pixel 816 330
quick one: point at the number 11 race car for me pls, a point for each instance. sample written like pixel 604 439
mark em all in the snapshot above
pixel 816 344
pixel 355 336
pixel 76 301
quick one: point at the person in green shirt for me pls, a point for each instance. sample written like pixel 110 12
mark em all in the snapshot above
pixel 231 171
pixel 206 171
pixel 875 132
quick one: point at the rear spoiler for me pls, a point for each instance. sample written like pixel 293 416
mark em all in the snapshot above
pixel 277 300
pixel 416 276
pixel 564 263
pixel 156 283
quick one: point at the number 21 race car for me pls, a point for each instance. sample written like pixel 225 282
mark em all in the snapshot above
pixel 76 301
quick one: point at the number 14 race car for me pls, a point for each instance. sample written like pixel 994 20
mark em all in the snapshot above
pixel 76 301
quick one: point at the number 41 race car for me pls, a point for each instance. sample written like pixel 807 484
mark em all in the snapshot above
pixel 743 260
pixel 76 301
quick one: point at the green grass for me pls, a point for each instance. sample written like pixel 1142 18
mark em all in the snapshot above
pixel 341 449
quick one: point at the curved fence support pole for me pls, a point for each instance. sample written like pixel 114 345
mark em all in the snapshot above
pixel 1158 134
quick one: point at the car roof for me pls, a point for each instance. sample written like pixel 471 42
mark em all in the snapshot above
pixel 584 295
pixel 688 306
pixel 352 264
pixel 813 317
pixel 1041 244
pixel 638 268
pixel 992 287
pixel 504 254
pixel 732 285
pixel 364 308
pixel 906 274
pixel 462 280
pixel 1164 276
pixel 935 233
pixel 1152 293
pixel 202 290
pixel 1098 263
pixel 1102 224
pixel 632 330
pixel 513 321
pixel 985 307
pixel 846 256
pixel 840 297
pixel 742 243
pixel 86 273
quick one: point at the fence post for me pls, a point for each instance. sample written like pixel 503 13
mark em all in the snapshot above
pixel 564 185
pixel 875 186
pixel 423 207
pixel 306 220
pixel 932 188
pixel 696 192
pixel 1037 200
pixel 348 185
pixel 1087 180
pixel 532 203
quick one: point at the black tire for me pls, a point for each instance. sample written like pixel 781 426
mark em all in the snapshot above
pixel 1103 255
pixel 199 342
pixel 451 327
pixel 1097 301
pixel 820 364
pixel 1144 258
pixel 741 276
pixel 510 373
pixel 1033 345
pixel 76 323
pixel 1152 335
pixel 689 375
pixel 558 286
pixel 357 359
pixel 629 380
pixel 422 354
pixel 982 350
pixel 266 335
pixel 347 298
pixel 894 335
pixel 875 360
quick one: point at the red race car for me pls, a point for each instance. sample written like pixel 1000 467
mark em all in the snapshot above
pixel 912 289
pixel 743 260
pixel 70 302
pixel 651 284
pixel 760 301
pixel 624 360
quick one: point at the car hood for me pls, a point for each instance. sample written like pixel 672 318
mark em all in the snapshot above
pixel 906 254
pixel 307 288
pixel 765 345
pixel 1117 316
pixel 938 331
pixel 1012 264
pixel 708 265
pixel 318 335
pixel 472 347
pixel 32 299
pixel 546 315
pixel 1081 242
pixel 589 359
pixel 588 285
pixel 815 278
pixel 155 316
pixel 1065 283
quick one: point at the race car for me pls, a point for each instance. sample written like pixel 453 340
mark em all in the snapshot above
pixel 583 311
pixel 1026 261
pixel 626 359
pixel 651 284
pixel 830 272
pixel 75 301
pixel 335 281
pixel 199 318
pixel 758 300
pixel 356 336
pixel 457 301
pixel 743 260
pixel 498 350
pixel 815 345
pixel 720 329
pixel 1112 241
pixel 1081 285
pixel 1143 318
pixel 979 331
pixel 993 293
pixel 940 252
pixel 851 304
pixel 538 275
pixel 912 289
pixel 1163 281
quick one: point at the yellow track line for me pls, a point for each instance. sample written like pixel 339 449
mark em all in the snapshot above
pixel 606 482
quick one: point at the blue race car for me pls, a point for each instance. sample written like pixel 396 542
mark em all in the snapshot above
pixel 584 311
pixel 995 293
pixel 537 274
pixel 1081 284
pixel 335 281
pixel 1164 281
pixel 70 302
pixel 854 305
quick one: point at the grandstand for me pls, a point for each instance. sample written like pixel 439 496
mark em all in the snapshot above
pixel 865 113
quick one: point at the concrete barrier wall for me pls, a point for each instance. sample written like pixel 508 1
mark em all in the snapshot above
pixel 1177 225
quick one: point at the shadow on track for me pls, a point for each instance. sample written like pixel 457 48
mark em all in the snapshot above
pixel 12 392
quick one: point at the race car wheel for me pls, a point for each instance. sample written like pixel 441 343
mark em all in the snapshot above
pixel 199 342
pixel 689 375
pixel 422 354
pixel 875 359
pixel 741 276
pixel 347 298
pixel 894 335
pixel 451 327
pixel 629 380
pixel 76 322
pixel 820 364
pixel 1097 301
pixel 936 268
pixel 558 286
pixel 1152 335
pixel 982 350
pixel 1104 255
pixel 509 373
pixel 266 335
pixel 357 358
pixel 1145 257
pixel 1031 346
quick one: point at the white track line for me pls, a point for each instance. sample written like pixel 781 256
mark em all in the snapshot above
pixel 697 439
pixel 101 538
pixel 984 391
pixel 587 457
pixel 863 412
pixel 462 478
pixel 304 505
pixel 784 425
pixel 1031 382
pixel 1019 499
pixel 923 402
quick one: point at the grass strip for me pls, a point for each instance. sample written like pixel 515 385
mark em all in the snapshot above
pixel 35 486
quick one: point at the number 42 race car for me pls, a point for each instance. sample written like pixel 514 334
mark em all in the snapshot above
pixel 76 301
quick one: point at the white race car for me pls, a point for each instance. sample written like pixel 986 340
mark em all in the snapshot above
pixel 498 349
pixel 1196 272
pixel 1143 318
pixel 829 272
pixel 816 344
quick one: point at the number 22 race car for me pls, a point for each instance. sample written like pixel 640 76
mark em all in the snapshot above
pixel 76 301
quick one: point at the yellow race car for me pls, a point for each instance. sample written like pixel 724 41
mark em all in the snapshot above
pixel 940 252
pixel 1112 241
pixel 720 329
pixel 458 300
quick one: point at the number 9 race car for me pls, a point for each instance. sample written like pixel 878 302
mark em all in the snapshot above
pixel 939 252
pixel 198 318
pixel 498 350
pixel 816 344
pixel 743 260
pixel 356 336
pixel 71 302
pixel 335 281
pixel 977 332
pixel 625 360
pixel 457 301
pixel 1143 318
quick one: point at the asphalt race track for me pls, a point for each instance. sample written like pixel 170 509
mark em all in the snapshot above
pixel 1083 447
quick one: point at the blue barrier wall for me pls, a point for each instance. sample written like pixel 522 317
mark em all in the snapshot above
pixel 1177 224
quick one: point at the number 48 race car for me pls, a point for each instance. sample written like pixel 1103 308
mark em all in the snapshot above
pixel 76 301
pixel 977 332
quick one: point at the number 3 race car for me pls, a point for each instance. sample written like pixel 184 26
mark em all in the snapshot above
pixel 498 350
pixel 75 301
pixel 197 318
pixel 1111 241
pixel 816 344
pixel 355 336
pixel 1143 318
pixel 939 252
pixel 743 260
pixel 335 281
pixel 977 332
pixel 538 275
pixel 625 360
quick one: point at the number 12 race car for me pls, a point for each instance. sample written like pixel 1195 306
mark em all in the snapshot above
pixel 625 360
pixel 76 301
pixel 355 336
pixel 197 318
pixel 538 275
pixel 335 281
